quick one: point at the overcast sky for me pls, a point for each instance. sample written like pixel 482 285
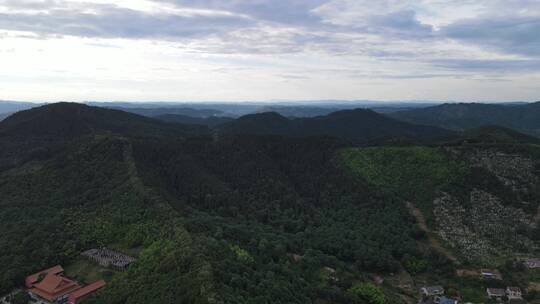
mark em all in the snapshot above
pixel 191 50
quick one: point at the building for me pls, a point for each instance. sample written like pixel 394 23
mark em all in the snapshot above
pixel 496 293
pixel 50 285
pixel 532 263
pixel 32 279
pixel 490 274
pixel 109 258
pixel 513 293
pixel 81 294
pixel 445 300
pixel 431 291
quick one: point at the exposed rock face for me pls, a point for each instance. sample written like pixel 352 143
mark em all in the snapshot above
pixel 483 229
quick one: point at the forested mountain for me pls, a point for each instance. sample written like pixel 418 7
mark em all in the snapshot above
pixel 520 117
pixel 158 111
pixel 356 125
pixel 38 130
pixel 264 219
pixel 184 119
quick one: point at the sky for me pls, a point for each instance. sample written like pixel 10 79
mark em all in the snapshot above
pixel 267 50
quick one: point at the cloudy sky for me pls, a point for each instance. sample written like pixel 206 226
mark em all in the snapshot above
pixel 191 50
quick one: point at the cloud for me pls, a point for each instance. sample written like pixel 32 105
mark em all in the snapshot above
pixel 517 65
pixel 285 12
pixel 111 21
pixel 508 34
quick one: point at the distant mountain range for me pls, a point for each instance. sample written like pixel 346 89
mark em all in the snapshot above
pixel 356 125
pixel 14 106
pixel 521 117
pixel 4 115
pixel 185 119
pixel 154 112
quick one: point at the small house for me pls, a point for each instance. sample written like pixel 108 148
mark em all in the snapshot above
pixel 445 300
pixel 513 293
pixel 490 274
pixel 431 291
pixel 532 263
pixel 496 293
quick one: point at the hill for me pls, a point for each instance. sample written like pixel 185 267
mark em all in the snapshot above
pixel 355 125
pixel 43 128
pixel 14 106
pixel 520 117
pixel 157 111
pixel 497 134
pixel 265 219
pixel 184 119
pixel 4 115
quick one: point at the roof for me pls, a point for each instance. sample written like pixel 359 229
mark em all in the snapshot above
pixel 445 300
pixel 496 291
pixel 432 289
pixel 32 279
pixel 53 286
pixel 87 290
pixel 514 289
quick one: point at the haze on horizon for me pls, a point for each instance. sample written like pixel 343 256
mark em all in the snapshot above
pixel 204 50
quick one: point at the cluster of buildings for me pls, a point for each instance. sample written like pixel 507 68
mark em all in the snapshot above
pixel 511 293
pixel 51 286
pixel 435 294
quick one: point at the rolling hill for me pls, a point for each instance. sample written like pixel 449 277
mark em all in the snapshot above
pixel 520 117
pixel 266 219
pixel 211 121
pixel 38 130
pixel 356 125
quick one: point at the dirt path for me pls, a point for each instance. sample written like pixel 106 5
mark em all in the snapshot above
pixel 432 240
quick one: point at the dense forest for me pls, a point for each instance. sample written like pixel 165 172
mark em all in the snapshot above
pixel 223 218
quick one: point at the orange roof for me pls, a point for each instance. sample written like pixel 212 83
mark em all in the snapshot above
pixel 83 292
pixel 54 286
pixel 30 280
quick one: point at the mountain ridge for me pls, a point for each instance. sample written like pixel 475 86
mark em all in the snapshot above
pixel 357 125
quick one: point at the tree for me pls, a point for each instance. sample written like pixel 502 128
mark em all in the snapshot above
pixel 368 292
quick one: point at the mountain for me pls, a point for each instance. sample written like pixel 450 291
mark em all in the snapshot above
pixel 68 120
pixel 37 130
pixel 183 119
pixel 265 219
pixel 4 115
pixel 497 134
pixel 356 125
pixel 14 106
pixel 298 111
pixel 521 117
pixel 157 111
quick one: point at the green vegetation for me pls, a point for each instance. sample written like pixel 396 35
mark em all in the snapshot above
pixel 410 173
pixel 232 219
pixel 367 292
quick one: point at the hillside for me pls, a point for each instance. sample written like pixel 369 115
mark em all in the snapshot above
pixel 158 111
pixel 184 119
pixel 520 117
pixel 4 115
pixel 266 219
pixel 41 130
pixel 355 125
pixel 68 120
